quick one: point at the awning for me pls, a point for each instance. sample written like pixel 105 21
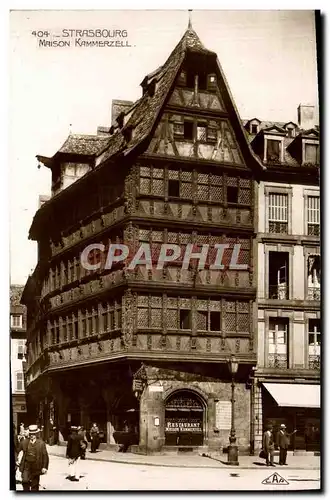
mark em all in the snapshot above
pixel 295 395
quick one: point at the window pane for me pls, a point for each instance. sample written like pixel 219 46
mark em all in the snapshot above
pixel 201 133
pixel 311 151
pixel 215 321
pixel 201 320
pixel 185 317
pixel 313 209
pixel 273 150
pixel 278 207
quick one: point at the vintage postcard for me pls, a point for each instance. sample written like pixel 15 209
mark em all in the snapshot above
pixel 165 250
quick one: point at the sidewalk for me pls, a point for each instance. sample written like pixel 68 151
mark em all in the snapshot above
pixel 304 462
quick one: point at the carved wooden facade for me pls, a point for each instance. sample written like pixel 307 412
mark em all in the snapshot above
pixel 191 181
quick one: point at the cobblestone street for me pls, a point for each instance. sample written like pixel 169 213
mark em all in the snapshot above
pixel 104 475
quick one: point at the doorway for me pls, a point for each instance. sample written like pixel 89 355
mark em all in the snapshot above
pixel 184 419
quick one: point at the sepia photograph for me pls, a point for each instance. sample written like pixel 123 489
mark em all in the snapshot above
pixel 165 267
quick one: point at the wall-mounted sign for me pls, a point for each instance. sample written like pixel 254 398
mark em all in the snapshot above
pixel 223 415
pixel 156 388
pixel 183 425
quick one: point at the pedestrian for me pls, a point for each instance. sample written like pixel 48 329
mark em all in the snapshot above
pixel 16 445
pixel 282 442
pixel 94 434
pixel 73 453
pixel 32 459
pixel 21 434
pixel 268 445
pixel 84 442
pixel 125 445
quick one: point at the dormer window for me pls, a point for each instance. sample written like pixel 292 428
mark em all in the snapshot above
pixel 290 129
pixel 273 152
pixel 254 129
pixel 311 153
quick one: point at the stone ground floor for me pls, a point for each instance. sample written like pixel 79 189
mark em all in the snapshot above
pixel 104 475
pixel 158 407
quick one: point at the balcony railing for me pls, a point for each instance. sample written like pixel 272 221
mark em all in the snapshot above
pixel 279 292
pixel 314 362
pixel 314 293
pixel 278 227
pixel 277 360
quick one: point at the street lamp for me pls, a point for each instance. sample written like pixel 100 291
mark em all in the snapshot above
pixel 232 448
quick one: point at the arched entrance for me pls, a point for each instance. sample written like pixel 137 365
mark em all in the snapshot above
pixel 185 419
pixel 127 412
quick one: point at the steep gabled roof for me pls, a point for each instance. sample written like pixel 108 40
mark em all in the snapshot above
pixel 146 112
pixel 148 107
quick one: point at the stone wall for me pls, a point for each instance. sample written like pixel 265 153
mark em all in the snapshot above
pixel 210 390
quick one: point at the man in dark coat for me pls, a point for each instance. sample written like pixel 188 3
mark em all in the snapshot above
pixel 73 453
pixel 282 442
pixel 94 434
pixel 32 460
pixel 268 446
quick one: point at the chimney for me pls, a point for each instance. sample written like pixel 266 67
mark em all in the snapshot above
pixel 306 116
pixel 119 106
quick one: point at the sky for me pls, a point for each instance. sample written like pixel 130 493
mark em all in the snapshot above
pixel 269 59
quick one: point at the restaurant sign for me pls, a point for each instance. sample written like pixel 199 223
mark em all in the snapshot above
pixel 183 425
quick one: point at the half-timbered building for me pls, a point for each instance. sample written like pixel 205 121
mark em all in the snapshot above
pixel 149 347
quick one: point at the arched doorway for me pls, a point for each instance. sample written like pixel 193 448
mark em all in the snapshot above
pixel 127 412
pixel 185 419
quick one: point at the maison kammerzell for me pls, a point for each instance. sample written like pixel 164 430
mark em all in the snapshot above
pixel 149 348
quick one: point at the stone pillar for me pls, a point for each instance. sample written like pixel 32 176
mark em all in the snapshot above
pixel 257 417
pixel 152 419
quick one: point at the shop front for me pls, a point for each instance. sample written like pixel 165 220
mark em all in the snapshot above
pixel 298 407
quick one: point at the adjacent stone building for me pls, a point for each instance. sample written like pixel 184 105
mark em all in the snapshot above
pixel 17 355
pixel 286 386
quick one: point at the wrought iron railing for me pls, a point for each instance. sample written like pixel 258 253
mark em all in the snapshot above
pixel 278 227
pixel 279 292
pixel 313 229
pixel 314 293
pixel 314 362
pixel 277 360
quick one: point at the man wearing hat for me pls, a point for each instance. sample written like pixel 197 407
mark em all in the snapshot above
pixel 74 451
pixel 32 459
pixel 282 442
